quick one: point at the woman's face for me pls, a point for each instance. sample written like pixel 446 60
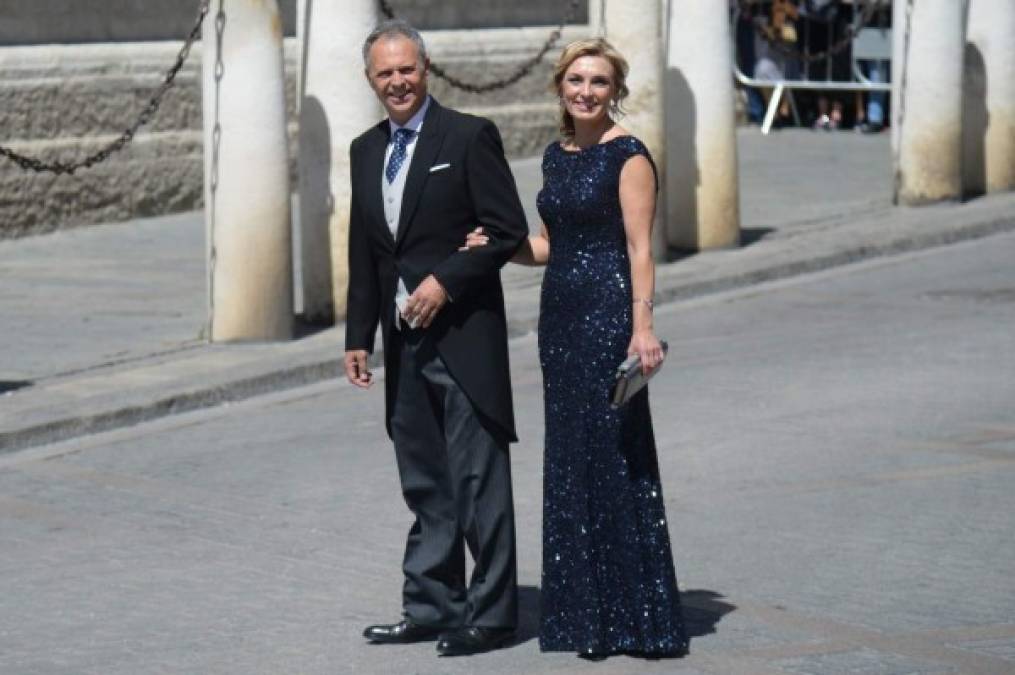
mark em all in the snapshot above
pixel 587 88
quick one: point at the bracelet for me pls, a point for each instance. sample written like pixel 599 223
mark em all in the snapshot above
pixel 648 302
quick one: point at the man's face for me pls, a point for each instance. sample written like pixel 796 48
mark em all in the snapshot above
pixel 397 76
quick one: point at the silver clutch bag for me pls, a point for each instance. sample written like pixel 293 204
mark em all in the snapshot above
pixel 630 378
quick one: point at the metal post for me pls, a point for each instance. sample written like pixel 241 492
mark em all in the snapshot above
pixel 773 107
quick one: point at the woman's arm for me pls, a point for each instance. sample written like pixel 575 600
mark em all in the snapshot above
pixel 534 251
pixel 638 205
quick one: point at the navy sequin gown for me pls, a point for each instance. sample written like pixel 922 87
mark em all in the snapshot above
pixel 608 580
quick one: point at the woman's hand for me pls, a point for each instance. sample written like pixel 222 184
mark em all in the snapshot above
pixel 475 239
pixel 646 345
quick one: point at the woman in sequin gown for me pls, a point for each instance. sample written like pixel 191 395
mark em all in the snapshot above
pixel 608 584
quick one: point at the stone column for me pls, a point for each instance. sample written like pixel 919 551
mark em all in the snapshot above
pixel 336 106
pixel 928 165
pixel 246 173
pixel 701 144
pixel 901 18
pixel 989 115
pixel 633 27
pixel 596 27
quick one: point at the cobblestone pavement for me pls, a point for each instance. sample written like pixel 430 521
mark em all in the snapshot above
pixel 837 453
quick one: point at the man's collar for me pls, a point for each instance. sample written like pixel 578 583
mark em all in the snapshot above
pixel 415 122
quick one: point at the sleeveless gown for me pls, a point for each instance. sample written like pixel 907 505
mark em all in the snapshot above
pixel 608 583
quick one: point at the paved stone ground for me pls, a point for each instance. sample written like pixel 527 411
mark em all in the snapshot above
pixel 837 453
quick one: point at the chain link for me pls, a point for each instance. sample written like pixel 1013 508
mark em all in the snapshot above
pixel 57 167
pixel 870 6
pixel 523 69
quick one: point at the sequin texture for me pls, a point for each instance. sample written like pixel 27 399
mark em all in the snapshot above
pixel 608 582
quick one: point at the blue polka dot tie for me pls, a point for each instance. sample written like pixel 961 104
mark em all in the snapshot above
pixel 397 158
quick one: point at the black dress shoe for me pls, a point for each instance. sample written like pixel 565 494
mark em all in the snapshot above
pixel 402 633
pixel 473 640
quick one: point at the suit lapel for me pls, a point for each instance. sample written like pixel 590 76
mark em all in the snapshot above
pixel 427 145
pixel 374 172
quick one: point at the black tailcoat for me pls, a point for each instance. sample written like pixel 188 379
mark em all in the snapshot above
pixel 440 206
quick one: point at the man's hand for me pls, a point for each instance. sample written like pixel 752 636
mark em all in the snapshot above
pixel 424 303
pixel 356 368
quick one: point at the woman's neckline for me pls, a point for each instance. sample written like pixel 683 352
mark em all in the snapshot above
pixel 594 145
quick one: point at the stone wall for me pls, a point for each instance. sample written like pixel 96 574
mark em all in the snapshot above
pixel 458 14
pixel 33 22
pixel 66 101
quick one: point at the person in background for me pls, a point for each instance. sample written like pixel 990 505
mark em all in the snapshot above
pixel 755 108
pixel 871 118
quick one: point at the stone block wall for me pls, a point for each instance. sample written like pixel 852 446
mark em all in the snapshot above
pixel 65 101
pixel 34 22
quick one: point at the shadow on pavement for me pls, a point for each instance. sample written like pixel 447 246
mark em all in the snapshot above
pixel 752 235
pixel 13 385
pixel 528 614
pixel 748 236
pixel 303 328
pixel 703 610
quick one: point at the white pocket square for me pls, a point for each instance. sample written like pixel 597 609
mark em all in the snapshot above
pixel 439 167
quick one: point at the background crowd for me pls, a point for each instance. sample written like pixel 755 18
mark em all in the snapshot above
pixel 806 40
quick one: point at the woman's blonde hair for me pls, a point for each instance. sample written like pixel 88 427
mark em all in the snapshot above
pixel 590 47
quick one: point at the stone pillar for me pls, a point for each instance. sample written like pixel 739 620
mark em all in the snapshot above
pixel 901 18
pixel 928 164
pixel 633 27
pixel 989 114
pixel 336 106
pixel 701 144
pixel 246 173
pixel 596 8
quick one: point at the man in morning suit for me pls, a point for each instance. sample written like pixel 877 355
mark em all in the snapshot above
pixel 421 180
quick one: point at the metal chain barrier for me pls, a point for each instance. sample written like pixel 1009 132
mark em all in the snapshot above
pixel 870 6
pixel 525 68
pixel 40 166
pixel 57 167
